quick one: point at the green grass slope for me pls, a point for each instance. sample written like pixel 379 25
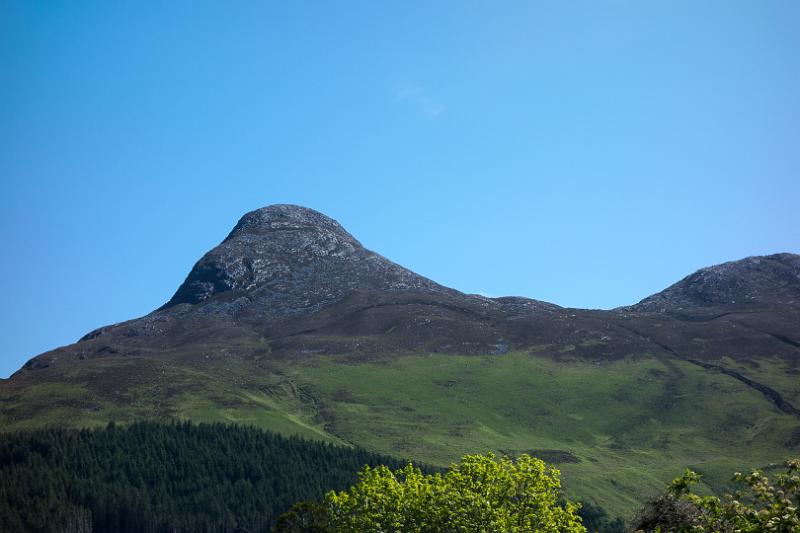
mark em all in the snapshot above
pixel 618 430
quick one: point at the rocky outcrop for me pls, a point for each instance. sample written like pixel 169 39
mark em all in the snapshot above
pixel 765 280
pixel 287 259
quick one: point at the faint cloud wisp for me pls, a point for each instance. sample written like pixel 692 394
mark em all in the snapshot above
pixel 416 95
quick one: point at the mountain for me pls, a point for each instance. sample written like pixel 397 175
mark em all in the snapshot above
pixel 292 325
pixel 772 281
pixel 288 260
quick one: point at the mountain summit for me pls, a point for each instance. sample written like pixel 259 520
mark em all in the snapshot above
pixel 768 280
pixel 287 259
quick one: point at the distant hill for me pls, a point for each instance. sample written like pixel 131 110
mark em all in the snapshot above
pixel 771 281
pixel 292 325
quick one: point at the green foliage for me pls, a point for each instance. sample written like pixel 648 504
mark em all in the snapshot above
pixel 763 505
pixel 154 478
pixel 481 494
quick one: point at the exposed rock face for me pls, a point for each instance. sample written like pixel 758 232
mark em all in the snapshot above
pixel 767 280
pixel 287 259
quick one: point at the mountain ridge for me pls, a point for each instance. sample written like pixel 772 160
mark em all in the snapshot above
pixel 288 271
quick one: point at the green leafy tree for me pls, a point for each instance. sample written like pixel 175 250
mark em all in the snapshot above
pixel 764 505
pixel 481 494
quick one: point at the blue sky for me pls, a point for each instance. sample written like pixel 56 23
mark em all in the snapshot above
pixel 586 153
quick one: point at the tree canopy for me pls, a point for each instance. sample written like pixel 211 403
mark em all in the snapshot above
pixel 481 494
pixel 159 478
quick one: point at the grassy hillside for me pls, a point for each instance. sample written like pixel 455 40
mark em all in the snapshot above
pixel 618 430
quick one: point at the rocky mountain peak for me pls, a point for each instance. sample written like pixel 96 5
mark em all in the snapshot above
pixel 290 259
pixel 286 217
pixel 771 279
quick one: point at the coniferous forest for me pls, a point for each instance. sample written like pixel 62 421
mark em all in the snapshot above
pixel 151 477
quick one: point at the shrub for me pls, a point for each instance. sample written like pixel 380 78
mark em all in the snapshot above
pixel 762 505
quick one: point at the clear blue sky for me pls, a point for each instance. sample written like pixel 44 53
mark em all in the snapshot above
pixel 586 153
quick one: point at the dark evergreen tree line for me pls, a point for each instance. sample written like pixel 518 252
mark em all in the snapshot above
pixel 152 478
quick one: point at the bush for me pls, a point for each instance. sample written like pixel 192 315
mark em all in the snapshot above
pixel 763 505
